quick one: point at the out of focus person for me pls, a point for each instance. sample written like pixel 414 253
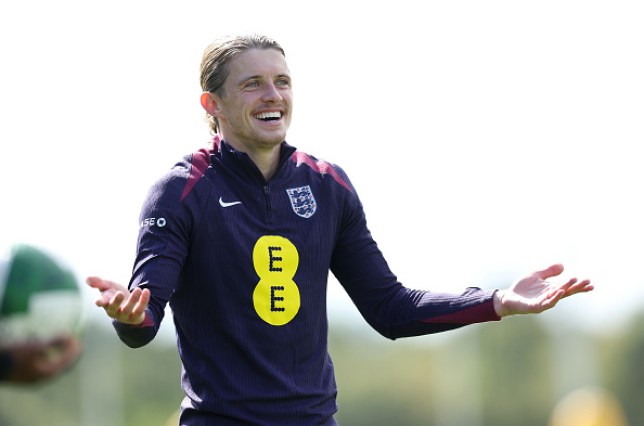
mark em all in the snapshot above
pixel 40 310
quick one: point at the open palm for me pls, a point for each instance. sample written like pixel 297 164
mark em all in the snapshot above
pixel 119 303
pixel 534 293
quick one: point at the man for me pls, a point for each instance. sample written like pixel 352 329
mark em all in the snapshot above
pixel 239 240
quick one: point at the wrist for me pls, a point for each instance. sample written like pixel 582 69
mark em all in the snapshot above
pixel 497 300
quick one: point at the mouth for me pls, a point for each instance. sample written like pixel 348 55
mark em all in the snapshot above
pixel 269 116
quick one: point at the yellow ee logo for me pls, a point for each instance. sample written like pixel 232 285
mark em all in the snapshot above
pixel 276 297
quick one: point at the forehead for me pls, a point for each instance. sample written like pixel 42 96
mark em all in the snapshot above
pixel 257 63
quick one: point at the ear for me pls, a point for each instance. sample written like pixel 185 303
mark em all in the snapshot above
pixel 209 103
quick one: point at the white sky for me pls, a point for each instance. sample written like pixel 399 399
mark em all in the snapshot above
pixel 486 139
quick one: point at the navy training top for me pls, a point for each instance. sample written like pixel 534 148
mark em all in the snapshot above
pixel 244 265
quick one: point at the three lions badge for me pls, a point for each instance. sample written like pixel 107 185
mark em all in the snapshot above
pixel 302 201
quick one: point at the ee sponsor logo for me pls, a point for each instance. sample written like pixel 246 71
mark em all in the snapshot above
pixel 276 297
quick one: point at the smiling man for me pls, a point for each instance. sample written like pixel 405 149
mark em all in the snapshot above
pixel 239 240
pixel 252 107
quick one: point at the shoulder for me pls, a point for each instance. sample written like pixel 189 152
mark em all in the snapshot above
pixel 182 178
pixel 194 167
pixel 323 169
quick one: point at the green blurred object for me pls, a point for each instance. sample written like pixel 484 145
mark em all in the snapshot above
pixel 31 271
pixel 39 298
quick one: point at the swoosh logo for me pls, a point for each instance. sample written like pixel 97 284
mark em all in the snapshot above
pixel 228 204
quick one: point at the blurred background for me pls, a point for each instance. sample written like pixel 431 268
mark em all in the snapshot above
pixel 486 140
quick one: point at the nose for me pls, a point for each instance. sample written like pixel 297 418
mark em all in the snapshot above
pixel 271 93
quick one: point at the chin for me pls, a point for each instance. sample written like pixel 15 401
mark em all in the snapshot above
pixel 272 140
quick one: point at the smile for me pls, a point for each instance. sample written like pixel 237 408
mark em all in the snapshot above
pixel 269 116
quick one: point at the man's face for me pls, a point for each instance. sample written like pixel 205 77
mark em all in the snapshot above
pixel 254 110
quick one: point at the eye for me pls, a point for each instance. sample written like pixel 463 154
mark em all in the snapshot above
pixel 283 82
pixel 251 84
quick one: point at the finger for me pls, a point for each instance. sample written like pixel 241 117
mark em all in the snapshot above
pixel 114 304
pixel 551 271
pixel 138 313
pixel 551 299
pixel 125 311
pixel 133 311
pixel 568 285
pixel 104 300
pixel 143 301
pixel 97 283
pixel 580 287
pixel 586 285
pixel 103 285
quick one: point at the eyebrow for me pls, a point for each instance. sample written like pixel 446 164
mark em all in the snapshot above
pixel 259 77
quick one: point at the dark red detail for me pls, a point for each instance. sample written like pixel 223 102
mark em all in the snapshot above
pixel 478 313
pixel 200 163
pixel 321 167
pixel 147 322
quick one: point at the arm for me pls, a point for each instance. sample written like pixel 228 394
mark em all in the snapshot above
pixel 138 310
pixel 396 311
pixel 390 308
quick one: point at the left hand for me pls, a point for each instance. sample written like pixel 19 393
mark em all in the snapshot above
pixel 534 294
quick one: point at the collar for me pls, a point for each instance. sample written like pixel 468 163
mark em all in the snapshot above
pixel 228 155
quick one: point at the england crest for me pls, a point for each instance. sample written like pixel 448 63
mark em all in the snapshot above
pixel 302 201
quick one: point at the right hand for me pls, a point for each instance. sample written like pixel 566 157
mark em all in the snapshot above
pixel 119 303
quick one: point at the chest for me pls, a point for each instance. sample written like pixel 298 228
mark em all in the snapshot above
pixel 301 211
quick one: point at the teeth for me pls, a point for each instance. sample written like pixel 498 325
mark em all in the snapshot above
pixel 266 115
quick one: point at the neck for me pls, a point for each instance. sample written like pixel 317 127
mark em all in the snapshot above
pixel 266 161
pixel 266 157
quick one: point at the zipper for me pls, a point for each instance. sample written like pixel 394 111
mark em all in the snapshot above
pixel 267 196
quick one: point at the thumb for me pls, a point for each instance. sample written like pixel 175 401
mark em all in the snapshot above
pixel 101 284
pixel 551 271
pixel 95 282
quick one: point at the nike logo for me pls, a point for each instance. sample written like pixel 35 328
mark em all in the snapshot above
pixel 228 204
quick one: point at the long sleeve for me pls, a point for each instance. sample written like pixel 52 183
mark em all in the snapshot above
pixel 389 307
pixel 163 243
